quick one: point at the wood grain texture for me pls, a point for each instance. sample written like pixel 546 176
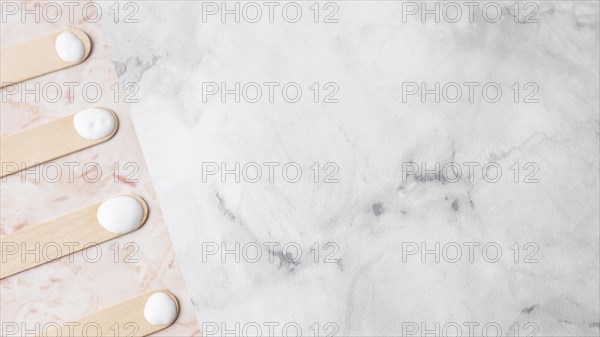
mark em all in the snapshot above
pixel 44 143
pixel 70 233
pixel 36 57
pixel 123 319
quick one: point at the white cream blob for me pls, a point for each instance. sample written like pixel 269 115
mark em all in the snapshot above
pixel 69 47
pixel 94 124
pixel 121 214
pixel 160 309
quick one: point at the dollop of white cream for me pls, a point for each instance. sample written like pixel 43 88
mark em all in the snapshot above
pixel 160 309
pixel 94 124
pixel 69 47
pixel 121 214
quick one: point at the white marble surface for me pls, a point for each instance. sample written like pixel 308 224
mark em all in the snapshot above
pixel 371 212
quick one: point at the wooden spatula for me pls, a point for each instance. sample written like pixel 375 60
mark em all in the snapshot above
pixel 39 244
pixel 128 318
pixel 37 57
pixel 47 142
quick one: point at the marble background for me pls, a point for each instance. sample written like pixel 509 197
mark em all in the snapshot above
pixel 86 282
pixel 364 283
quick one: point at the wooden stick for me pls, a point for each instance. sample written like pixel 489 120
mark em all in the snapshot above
pixel 44 143
pixel 36 57
pixel 123 319
pixel 39 244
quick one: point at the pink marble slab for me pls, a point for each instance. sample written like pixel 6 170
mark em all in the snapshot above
pixel 81 284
